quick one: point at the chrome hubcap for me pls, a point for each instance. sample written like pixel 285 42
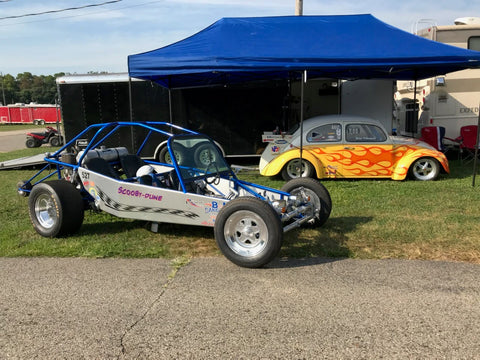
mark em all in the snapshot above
pixel 246 233
pixel 45 211
pixel 423 169
pixel 295 170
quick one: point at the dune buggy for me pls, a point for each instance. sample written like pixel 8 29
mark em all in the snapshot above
pixel 196 187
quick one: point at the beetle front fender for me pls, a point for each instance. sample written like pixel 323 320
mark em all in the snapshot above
pixel 401 168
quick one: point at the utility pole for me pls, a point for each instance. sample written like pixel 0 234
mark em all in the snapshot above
pixel 3 91
pixel 298 7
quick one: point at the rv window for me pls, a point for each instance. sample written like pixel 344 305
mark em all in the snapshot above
pixel 474 43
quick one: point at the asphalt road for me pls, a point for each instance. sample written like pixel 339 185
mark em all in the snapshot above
pixel 210 308
pixel 15 140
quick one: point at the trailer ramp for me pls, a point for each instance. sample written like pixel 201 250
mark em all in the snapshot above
pixel 23 162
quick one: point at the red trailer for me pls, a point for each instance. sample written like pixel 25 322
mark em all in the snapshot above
pixel 38 114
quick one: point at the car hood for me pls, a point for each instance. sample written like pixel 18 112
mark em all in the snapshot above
pixel 402 140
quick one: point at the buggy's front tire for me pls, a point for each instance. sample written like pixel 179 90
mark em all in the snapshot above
pixel 56 208
pixel 319 196
pixel 248 232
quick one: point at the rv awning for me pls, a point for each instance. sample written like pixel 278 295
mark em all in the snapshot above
pixel 235 50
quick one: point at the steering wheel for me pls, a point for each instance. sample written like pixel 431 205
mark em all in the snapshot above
pixel 216 178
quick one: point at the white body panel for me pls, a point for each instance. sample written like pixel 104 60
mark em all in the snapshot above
pixel 451 100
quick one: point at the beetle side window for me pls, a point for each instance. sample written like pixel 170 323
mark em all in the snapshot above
pixel 325 133
pixel 364 133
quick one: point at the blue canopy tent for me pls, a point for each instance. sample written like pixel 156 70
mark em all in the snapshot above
pixel 346 47
pixel 234 50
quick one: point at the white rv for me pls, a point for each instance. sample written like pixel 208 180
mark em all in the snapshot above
pixel 450 100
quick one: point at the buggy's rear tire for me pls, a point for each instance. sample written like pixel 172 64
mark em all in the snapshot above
pixel 248 232
pixel 56 208
pixel 319 195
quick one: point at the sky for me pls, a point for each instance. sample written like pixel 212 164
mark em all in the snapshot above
pixel 99 38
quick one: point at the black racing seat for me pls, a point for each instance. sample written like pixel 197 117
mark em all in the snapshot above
pixel 130 164
pixel 101 166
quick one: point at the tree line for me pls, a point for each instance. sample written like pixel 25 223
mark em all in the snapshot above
pixel 26 88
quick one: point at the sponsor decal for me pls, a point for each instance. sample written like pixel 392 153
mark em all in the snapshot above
pixel 109 202
pixel 213 207
pixel 190 202
pixel 280 142
pixel 90 187
pixel 88 183
pixel 209 222
pixel 137 193
pixel 331 170
pixel 275 149
pixel 92 191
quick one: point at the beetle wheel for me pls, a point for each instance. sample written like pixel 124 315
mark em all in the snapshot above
pixel 293 170
pixel 425 169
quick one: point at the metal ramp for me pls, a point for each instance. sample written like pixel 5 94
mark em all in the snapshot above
pixel 23 162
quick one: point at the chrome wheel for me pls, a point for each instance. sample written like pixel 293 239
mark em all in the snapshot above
pixel 317 194
pixel 425 169
pixel 246 233
pixel 45 211
pixel 314 198
pixel 296 169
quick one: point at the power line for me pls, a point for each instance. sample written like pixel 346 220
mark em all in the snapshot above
pixel 79 15
pixel 60 10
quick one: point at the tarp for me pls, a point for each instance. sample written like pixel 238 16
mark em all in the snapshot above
pixel 234 50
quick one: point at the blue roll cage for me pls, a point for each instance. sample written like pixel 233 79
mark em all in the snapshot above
pixel 54 159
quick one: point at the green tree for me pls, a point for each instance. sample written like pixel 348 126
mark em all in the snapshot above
pixel 10 89
pixel 26 88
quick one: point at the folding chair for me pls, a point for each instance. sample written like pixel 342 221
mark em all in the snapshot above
pixel 468 135
pixel 433 135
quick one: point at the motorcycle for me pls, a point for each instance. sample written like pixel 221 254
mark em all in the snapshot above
pixel 50 136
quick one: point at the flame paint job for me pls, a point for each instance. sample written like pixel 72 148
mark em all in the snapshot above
pixel 358 160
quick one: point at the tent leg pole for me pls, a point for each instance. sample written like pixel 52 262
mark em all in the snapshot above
pixel 170 105
pixel 130 98
pixel 415 112
pixel 304 80
pixel 476 151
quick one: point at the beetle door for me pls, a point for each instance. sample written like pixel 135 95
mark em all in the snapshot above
pixel 325 143
pixel 367 151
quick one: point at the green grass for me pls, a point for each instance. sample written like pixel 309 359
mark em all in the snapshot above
pixel 11 127
pixel 377 219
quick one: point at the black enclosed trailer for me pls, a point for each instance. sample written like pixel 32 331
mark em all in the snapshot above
pixel 234 116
